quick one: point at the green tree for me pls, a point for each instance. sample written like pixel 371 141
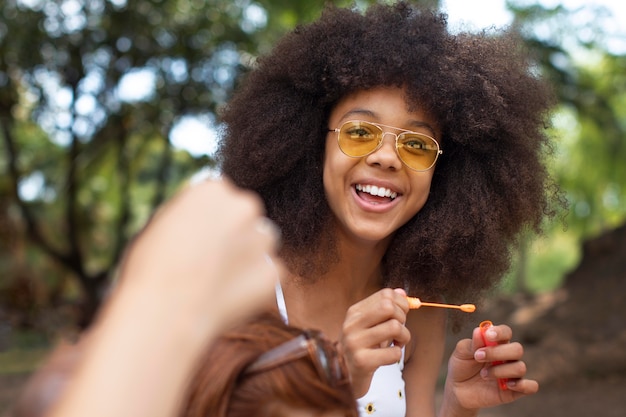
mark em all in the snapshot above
pixel 590 82
pixel 590 128
pixel 85 161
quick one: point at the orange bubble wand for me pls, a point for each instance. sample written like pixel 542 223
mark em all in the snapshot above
pixel 415 303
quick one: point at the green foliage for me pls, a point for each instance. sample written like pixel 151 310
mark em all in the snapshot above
pixel 84 163
pixel 86 166
pixel 547 260
pixel 590 131
pixel 23 351
pixel 22 360
pixel 591 164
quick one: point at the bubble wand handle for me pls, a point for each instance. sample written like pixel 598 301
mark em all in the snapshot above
pixel 415 303
pixel 483 326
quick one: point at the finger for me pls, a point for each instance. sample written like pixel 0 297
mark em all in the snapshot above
pixel 499 334
pixel 477 340
pixel 249 289
pixel 371 359
pixel 506 352
pixel 257 235
pixel 380 306
pixel 464 349
pixel 401 299
pixel 512 370
pixel 493 335
pixel 523 386
pixel 384 334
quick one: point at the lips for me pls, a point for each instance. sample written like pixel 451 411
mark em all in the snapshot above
pixel 376 192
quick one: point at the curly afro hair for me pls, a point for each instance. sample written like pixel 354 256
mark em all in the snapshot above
pixel 489 185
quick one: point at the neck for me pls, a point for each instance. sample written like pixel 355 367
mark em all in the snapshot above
pixel 322 302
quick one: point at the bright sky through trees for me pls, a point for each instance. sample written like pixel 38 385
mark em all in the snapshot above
pixel 478 14
pixel 199 138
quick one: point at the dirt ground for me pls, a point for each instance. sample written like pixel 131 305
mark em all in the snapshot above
pixel 574 338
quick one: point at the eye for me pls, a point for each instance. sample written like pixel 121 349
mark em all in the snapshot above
pixel 418 144
pixel 359 132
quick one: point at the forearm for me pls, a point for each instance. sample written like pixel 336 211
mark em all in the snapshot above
pixel 136 360
pixel 201 264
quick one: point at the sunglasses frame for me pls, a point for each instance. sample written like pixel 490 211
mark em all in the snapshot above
pixel 382 138
pixel 328 363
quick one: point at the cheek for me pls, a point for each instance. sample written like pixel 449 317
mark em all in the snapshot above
pixel 336 176
pixel 326 165
pixel 421 190
pixel 335 164
pixel 328 172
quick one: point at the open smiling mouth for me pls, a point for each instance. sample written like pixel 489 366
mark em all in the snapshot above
pixel 375 194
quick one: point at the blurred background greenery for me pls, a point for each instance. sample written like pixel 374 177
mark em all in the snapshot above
pixel 108 106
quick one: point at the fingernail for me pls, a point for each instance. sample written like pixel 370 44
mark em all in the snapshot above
pixel 480 355
pixel 491 334
pixel 484 372
pixel 400 291
pixel 511 383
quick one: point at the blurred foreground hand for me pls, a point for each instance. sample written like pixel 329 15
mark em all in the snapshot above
pixel 204 261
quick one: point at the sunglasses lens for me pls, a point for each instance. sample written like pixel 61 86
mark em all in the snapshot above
pixel 359 138
pixel 418 152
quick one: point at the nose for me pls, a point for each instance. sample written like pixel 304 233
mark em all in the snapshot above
pixel 386 156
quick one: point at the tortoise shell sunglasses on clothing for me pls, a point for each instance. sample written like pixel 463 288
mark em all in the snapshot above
pixel 327 361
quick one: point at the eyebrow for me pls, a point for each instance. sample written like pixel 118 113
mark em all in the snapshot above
pixel 369 113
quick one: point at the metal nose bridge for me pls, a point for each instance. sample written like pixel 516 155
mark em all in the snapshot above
pixel 391 133
pixel 382 140
pixel 395 144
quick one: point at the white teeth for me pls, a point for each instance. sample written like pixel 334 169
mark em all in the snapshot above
pixel 377 191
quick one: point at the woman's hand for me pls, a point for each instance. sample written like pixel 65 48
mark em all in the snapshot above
pixel 203 262
pixel 373 335
pixel 472 379
pixel 208 251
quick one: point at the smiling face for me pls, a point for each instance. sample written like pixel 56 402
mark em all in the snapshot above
pixel 372 196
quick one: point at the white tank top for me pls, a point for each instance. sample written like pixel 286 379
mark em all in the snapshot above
pixel 385 397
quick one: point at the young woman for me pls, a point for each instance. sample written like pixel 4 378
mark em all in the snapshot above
pixel 394 154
